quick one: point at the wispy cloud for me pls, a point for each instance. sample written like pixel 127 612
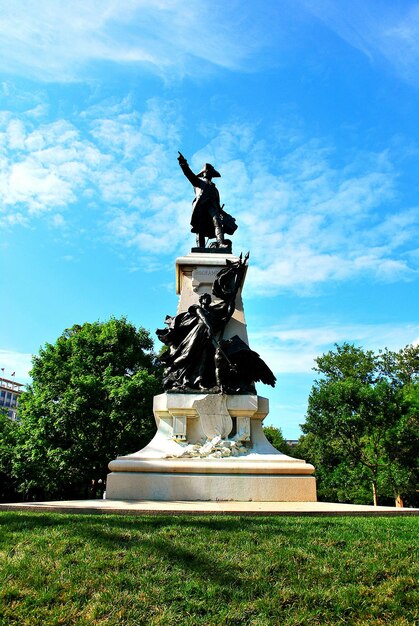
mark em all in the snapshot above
pixel 70 41
pixel 61 41
pixel 109 157
pixel 292 349
pixel 378 29
pixel 306 220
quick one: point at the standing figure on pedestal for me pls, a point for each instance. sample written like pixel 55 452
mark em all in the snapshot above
pixel 208 218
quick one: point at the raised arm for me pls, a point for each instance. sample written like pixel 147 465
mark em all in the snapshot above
pixel 193 178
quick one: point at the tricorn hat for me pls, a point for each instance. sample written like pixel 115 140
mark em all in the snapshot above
pixel 211 171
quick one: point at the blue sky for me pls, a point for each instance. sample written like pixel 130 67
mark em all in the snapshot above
pixel 308 108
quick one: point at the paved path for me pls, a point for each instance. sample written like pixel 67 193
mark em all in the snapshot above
pixel 148 507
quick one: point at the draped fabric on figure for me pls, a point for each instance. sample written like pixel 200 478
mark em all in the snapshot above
pixel 197 357
pixel 191 357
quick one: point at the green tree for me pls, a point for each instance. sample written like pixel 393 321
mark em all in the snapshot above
pixel 90 400
pixel 338 479
pixel 361 423
pixel 276 438
pixel 8 430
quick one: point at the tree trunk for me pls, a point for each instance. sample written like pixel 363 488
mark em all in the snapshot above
pixel 374 493
pixel 399 501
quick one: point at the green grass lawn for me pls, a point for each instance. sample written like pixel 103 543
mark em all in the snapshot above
pixel 113 569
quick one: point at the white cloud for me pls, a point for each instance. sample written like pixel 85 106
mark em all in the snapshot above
pixel 53 165
pixel 69 41
pixel 42 168
pixel 306 221
pixel 18 362
pixel 57 220
pixel 379 30
pixel 59 40
pixel 292 349
pixel 30 182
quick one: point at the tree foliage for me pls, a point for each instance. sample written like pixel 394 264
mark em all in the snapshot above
pixel 90 400
pixel 276 438
pixel 362 421
pixel 8 429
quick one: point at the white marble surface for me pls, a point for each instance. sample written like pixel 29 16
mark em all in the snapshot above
pixel 153 507
pixel 209 446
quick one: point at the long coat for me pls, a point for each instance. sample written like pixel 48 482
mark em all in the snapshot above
pixel 205 205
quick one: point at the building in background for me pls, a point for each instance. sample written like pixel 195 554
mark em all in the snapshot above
pixel 10 391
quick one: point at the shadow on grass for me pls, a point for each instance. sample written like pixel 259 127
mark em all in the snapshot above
pixel 283 526
pixel 322 566
pixel 145 522
pixel 115 534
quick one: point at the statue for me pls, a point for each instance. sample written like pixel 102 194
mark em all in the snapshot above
pixel 198 359
pixel 208 217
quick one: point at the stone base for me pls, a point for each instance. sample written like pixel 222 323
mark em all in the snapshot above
pixel 241 466
pixel 210 487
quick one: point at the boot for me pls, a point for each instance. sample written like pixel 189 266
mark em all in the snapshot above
pixel 220 237
pixel 200 241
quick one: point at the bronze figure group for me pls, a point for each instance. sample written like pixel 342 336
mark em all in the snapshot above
pixel 197 357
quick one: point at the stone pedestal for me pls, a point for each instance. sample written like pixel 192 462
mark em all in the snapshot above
pixel 195 275
pixel 210 446
pixel 192 457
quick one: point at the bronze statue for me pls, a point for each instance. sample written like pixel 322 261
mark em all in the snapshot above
pixel 190 361
pixel 198 359
pixel 208 217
